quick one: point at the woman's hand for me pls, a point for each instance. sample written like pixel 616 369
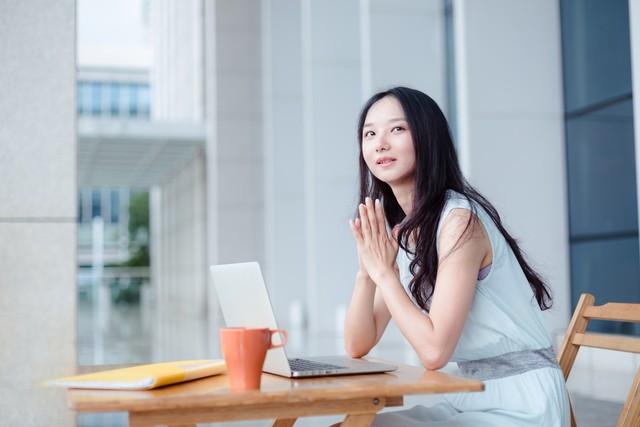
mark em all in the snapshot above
pixel 377 250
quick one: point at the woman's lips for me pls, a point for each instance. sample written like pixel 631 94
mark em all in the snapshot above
pixel 386 163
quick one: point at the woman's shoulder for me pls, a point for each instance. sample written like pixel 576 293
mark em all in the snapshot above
pixel 454 199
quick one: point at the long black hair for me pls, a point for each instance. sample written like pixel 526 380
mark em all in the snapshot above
pixel 437 170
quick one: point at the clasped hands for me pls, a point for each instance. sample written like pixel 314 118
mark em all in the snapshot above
pixel 377 248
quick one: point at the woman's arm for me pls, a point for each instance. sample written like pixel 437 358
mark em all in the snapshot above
pixel 366 319
pixel 435 336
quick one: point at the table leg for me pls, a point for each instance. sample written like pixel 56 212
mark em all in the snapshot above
pixel 284 422
pixel 359 420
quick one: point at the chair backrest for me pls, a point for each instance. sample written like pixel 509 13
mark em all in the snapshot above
pixel 577 336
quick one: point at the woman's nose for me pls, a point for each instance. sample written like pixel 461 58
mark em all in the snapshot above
pixel 382 145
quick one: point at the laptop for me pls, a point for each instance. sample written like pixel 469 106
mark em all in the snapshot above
pixel 244 301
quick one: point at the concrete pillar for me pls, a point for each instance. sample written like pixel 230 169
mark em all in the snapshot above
pixel 38 209
pixel 511 127
pixel 177 96
pixel 233 106
pixel 177 72
pixel 332 94
pixel 284 167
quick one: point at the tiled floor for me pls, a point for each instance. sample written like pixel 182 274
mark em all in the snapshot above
pixel 595 413
pixel 134 334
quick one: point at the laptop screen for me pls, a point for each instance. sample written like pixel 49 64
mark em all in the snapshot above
pixel 244 301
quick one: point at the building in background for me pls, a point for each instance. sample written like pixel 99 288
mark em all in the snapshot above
pixel 128 148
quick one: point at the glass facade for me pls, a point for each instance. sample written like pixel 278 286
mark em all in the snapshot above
pixel 118 99
pixel 96 203
pixel 103 202
pixel 603 217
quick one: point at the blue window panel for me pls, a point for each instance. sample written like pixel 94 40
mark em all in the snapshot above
pixel 123 99
pixel 596 51
pixel 133 100
pixel 84 98
pixel 79 218
pixel 601 172
pixel 114 99
pixel 79 96
pixel 609 269
pixel 144 100
pixel 96 203
pixel 96 98
pixel 115 206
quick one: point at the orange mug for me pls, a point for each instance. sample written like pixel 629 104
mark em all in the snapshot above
pixel 244 351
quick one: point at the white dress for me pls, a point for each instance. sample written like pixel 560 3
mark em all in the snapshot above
pixel 504 343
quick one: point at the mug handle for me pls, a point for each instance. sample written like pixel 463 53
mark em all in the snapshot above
pixel 283 335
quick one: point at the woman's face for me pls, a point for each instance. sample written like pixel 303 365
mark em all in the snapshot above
pixel 387 145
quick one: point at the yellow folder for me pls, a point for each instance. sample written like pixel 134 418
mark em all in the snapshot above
pixel 144 377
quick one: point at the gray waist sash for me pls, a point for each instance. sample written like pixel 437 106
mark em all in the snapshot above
pixel 504 365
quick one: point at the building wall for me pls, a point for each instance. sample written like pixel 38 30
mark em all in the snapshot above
pixel 180 277
pixel 177 68
pixel 38 209
pixel 403 44
pixel 511 128
pixel 234 146
pixel 178 224
pixel 284 167
pixel 179 203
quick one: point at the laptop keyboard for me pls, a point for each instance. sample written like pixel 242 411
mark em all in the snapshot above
pixel 302 365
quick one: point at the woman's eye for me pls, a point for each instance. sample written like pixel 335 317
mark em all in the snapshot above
pixel 368 133
pixel 397 129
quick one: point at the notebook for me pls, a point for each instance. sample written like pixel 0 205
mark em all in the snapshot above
pixel 143 377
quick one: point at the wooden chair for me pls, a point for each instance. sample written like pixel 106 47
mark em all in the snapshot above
pixel 577 336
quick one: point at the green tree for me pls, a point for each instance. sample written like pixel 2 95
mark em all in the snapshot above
pixel 138 231
pixel 138 249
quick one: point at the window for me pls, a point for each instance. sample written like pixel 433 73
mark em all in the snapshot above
pixel 114 99
pixel 115 205
pixel 80 200
pixel 603 216
pixel 133 99
pixel 96 203
pixel 594 71
pixel 114 108
pixel 144 101
pixel 96 98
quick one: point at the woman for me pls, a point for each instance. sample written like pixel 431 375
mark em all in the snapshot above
pixel 459 288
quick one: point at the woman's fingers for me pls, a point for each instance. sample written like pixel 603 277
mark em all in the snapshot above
pixel 371 214
pixel 355 229
pixel 382 225
pixel 364 222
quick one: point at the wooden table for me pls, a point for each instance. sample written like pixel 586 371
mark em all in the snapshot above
pixel 359 397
